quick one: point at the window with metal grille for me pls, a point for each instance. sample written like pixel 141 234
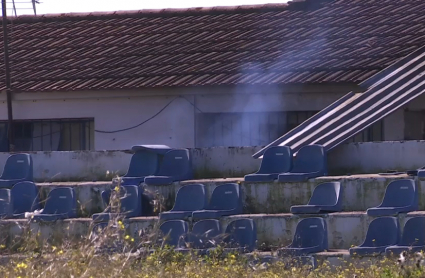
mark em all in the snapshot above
pixel 258 128
pixel 50 135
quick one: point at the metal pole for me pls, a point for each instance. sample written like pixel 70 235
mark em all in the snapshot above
pixel 7 78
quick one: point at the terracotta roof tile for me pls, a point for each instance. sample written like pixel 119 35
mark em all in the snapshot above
pixel 309 41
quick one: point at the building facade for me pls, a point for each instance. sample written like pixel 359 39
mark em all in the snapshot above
pixel 235 76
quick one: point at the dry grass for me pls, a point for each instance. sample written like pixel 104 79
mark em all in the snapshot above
pixel 83 262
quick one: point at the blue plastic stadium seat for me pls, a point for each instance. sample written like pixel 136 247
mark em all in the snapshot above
pixel 6 205
pixel 400 196
pixel 142 164
pixel 106 196
pixel 413 238
pixel 225 200
pixel 242 236
pixel 60 204
pixel 189 198
pixel 202 237
pixel 381 233
pixel 24 198
pixel 172 232
pixel 311 236
pixel 176 166
pixel 310 163
pixel 276 160
pixel 420 173
pixel 327 197
pixel 18 168
pixel 130 200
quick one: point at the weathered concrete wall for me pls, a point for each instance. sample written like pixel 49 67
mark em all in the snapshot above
pixel 376 157
pixel 93 165
pixel 344 229
pixel 224 162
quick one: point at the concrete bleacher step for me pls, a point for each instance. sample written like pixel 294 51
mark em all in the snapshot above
pixel 345 229
pixel 360 193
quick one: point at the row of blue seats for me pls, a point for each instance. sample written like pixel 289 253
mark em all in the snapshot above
pixel 160 165
pixel 240 235
pixel 383 236
pixel 401 196
pixel 61 202
pixel 191 201
pixel 151 168
pixel 278 163
pixel 310 236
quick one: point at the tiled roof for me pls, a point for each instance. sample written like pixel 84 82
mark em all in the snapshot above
pixel 315 41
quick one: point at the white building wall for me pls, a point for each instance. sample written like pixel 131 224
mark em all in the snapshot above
pixel 175 126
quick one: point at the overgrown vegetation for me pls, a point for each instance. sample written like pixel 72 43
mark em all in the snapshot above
pixel 113 252
pixel 82 261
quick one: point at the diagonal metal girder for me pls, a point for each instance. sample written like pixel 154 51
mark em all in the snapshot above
pixel 386 92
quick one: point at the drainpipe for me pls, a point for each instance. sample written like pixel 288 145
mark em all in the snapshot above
pixel 7 79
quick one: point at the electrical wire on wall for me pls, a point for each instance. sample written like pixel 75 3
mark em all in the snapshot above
pixel 150 118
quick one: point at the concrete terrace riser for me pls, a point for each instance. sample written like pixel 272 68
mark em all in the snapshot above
pixel 360 193
pixel 344 229
pixel 225 162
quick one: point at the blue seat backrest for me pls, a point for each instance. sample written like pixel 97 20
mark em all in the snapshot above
pixel 190 198
pixel 24 197
pixel 60 200
pixel 130 199
pixel 172 231
pixel 225 197
pixel 207 228
pixel 18 166
pixel 276 159
pixel 310 232
pixel 242 233
pixel 325 194
pixel 106 197
pixel 414 232
pixel 175 163
pixel 203 234
pixel 142 164
pixel 381 231
pixel 310 158
pixel 5 200
pixel 400 193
